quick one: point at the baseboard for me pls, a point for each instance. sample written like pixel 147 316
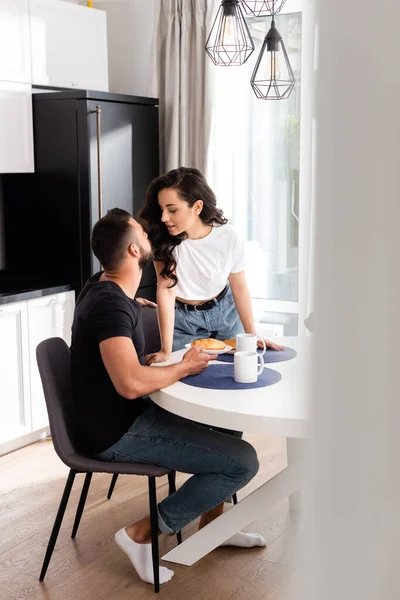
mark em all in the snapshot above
pixel 24 440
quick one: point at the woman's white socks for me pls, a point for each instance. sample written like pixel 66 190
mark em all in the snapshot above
pixel 245 540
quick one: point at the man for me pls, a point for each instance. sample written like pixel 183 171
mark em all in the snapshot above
pixel 118 422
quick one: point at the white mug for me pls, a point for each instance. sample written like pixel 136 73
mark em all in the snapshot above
pixel 247 342
pixel 247 366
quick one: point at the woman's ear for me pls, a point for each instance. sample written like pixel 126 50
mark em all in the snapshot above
pixel 198 207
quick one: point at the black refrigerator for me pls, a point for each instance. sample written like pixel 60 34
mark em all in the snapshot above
pixel 93 151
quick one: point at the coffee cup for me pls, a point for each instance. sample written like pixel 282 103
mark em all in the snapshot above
pixel 247 342
pixel 247 366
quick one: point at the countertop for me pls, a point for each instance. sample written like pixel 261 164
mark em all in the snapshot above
pixel 15 288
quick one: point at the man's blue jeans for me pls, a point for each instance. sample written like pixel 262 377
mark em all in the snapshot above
pixel 220 462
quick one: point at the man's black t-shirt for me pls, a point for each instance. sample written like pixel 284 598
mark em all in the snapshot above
pixel 102 311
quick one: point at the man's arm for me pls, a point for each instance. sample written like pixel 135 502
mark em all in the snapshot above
pixel 132 380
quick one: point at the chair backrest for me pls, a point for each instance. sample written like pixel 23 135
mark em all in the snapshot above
pixel 54 362
pixel 152 341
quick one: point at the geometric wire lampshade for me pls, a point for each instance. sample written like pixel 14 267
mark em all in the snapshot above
pixel 273 77
pixel 261 8
pixel 229 43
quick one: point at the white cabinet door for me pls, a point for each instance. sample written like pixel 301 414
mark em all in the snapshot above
pixel 16 128
pixel 50 316
pixel 68 45
pixel 15 58
pixel 15 416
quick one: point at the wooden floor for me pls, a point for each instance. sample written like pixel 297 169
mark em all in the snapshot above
pixel 91 567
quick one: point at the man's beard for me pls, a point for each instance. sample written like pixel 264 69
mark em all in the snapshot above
pixel 145 257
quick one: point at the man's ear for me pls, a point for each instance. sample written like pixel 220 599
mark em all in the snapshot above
pixel 134 250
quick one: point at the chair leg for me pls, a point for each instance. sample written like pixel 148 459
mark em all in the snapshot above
pixel 57 523
pixel 81 504
pixel 154 533
pixel 112 485
pixel 234 498
pixel 172 489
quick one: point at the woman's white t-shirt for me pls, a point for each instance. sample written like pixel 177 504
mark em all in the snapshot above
pixel 203 266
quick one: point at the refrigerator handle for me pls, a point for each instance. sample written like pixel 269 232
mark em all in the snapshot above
pixel 99 184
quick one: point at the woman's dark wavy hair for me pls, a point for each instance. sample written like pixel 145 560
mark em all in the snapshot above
pixel 191 186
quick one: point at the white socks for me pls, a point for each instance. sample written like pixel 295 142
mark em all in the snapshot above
pixel 245 540
pixel 141 558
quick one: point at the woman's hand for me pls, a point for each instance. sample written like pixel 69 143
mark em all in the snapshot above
pixel 145 302
pixel 157 357
pixel 269 344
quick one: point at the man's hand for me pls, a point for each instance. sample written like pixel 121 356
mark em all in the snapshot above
pixel 197 361
pixel 156 357
pixel 145 302
pixel 269 344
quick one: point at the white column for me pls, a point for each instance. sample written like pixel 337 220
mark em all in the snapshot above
pixel 356 496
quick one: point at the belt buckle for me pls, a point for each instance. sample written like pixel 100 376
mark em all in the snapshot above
pixel 195 307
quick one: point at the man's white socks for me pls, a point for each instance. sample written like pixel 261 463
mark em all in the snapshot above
pixel 141 558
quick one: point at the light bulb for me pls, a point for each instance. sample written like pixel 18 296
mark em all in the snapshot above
pixel 229 33
pixel 272 69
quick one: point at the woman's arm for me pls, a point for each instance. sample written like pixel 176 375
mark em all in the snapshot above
pixel 242 299
pixel 241 295
pixel 166 316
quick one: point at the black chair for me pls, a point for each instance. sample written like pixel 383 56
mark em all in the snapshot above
pixel 53 358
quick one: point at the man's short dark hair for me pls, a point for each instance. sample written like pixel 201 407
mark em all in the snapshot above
pixel 111 236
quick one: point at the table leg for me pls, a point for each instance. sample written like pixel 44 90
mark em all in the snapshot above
pixel 253 507
pixel 295 455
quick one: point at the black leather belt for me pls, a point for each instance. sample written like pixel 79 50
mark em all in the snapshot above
pixel 204 305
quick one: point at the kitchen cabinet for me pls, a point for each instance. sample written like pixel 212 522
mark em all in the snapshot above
pixel 68 45
pixel 16 128
pixel 15 57
pixel 50 316
pixel 23 325
pixel 15 417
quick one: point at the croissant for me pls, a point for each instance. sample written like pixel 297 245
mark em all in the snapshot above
pixel 209 344
pixel 231 343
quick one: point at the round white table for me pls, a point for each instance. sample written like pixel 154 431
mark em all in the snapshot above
pixel 280 409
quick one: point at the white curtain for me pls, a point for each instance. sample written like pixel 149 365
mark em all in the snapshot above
pixel 185 85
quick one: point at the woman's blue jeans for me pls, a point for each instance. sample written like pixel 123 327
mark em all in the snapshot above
pixel 221 322
pixel 220 462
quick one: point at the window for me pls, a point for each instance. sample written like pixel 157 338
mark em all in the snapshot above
pixel 255 168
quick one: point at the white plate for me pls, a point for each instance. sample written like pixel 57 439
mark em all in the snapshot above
pixel 226 349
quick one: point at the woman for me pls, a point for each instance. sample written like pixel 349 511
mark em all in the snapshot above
pixel 199 259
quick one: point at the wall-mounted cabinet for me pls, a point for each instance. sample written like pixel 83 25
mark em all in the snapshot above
pixel 44 42
pixel 16 132
pixel 16 128
pixel 69 45
pixel 15 55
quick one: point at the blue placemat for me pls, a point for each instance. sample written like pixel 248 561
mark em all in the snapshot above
pixel 270 356
pixel 220 377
